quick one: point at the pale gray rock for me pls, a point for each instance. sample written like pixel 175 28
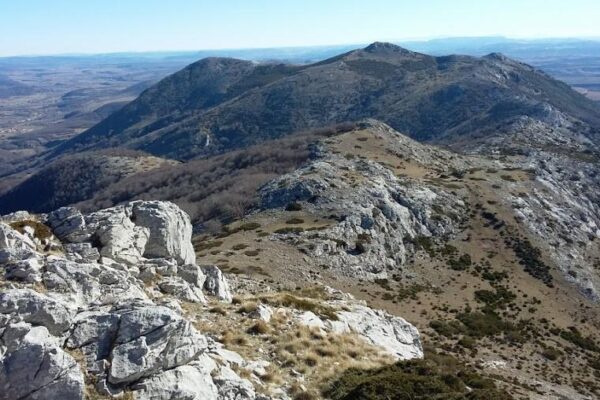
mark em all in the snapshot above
pixel 81 252
pixel 14 246
pixel 181 289
pixel 396 336
pixel 216 284
pixel 170 230
pixel 374 218
pixel 119 237
pixel 37 309
pixel 16 216
pixel 185 383
pixel 28 270
pixel 38 369
pixel 262 312
pixel 232 387
pixel 68 224
pixel 228 357
pixel 192 274
pixel 83 283
pixel 97 305
pixel 311 320
pixel 94 332
pixel 151 339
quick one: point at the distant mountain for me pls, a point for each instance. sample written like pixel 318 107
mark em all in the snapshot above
pixel 219 104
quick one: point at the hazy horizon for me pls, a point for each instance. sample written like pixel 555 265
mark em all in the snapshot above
pixel 62 27
pixel 400 42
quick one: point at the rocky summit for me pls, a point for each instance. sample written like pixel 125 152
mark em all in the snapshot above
pixel 113 303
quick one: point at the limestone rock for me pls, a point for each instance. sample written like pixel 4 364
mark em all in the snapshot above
pixel 39 369
pixel 36 309
pixel 181 289
pixel 83 283
pixel 396 336
pixel 14 246
pixel 311 320
pixel 216 284
pixel 68 225
pixel 170 230
pixel 186 382
pixel 82 252
pixel 28 270
pixel 151 339
pixel 232 387
pixel 119 238
pixel 262 312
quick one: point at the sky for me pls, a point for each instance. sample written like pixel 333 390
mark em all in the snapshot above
pixel 31 27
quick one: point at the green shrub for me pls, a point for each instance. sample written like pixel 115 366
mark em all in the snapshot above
pixel 435 377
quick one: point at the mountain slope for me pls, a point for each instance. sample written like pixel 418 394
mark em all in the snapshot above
pixel 492 261
pixel 220 104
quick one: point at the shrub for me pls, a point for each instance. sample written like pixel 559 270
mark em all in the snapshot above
pixel 40 230
pixel 460 264
pixel 584 342
pixel 435 377
pixel 293 207
pixel 291 229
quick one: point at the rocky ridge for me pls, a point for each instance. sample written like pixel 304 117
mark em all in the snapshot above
pixel 382 214
pixel 95 305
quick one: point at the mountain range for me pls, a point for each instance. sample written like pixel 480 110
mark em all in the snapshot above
pixel 216 104
pixel 325 200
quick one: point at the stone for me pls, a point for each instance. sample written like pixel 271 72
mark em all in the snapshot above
pixel 83 284
pixel 82 252
pixel 192 274
pixel 216 284
pixel 39 369
pixel 28 270
pixel 170 230
pixel 181 289
pixel 119 238
pixel 94 333
pixel 36 309
pixel 68 225
pixel 262 312
pixel 232 387
pixel 151 339
pixel 186 382
pixel 397 337
pixel 14 246
pixel 229 357
pixel 311 320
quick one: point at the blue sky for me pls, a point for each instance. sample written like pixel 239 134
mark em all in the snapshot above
pixel 92 26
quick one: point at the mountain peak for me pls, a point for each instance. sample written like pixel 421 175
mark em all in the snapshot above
pixel 497 56
pixel 385 47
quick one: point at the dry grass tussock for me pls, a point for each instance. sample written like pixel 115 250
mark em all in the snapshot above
pixel 291 348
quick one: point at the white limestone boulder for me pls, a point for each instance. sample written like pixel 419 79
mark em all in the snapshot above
pixel 170 230
pixel 216 284
pixel 395 335
pixel 38 368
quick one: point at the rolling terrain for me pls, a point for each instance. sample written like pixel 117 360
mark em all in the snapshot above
pixel 235 103
pixel 458 192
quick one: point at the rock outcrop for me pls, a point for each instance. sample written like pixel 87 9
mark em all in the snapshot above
pixel 101 311
pixel 104 311
pixel 378 215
